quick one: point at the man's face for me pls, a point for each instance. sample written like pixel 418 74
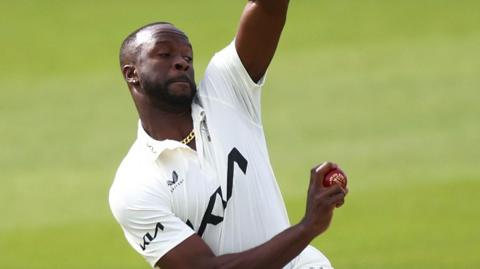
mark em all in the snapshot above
pixel 165 66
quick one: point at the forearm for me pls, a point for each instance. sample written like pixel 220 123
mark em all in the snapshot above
pixel 193 252
pixel 275 253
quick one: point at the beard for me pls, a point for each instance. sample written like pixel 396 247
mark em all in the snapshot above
pixel 161 95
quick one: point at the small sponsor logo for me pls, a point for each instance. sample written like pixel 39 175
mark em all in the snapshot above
pixel 148 237
pixel 174 179
pixel 175 182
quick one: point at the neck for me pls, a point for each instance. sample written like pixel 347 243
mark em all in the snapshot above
pixel 161 124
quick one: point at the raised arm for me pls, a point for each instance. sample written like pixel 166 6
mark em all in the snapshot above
pixel 257 38
pixel 275 253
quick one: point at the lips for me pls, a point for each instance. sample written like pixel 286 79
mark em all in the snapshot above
pixel 180 84
pixel 179 80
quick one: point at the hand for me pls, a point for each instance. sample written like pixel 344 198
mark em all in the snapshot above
pixel 321 201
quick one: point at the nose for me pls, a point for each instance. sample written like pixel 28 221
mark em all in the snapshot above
pixel 181 64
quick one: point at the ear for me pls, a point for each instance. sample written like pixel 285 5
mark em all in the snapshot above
pixel 130 74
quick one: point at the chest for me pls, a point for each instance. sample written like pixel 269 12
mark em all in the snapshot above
pixel 200 193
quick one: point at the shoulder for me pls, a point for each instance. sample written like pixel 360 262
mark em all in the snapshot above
pixel 228 88
pixel 226 77
pixel 225 59
pixel 137 186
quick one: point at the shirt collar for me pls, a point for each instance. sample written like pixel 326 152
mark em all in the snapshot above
pixel 154 148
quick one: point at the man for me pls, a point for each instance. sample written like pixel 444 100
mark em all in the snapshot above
pixel 196 190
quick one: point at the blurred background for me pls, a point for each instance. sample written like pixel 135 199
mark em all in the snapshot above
pixel 387 89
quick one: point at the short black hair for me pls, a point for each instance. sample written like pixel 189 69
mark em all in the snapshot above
pixel 127 50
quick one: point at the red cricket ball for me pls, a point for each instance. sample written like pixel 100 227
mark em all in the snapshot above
pixel 335 176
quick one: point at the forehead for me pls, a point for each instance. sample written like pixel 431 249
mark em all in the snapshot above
pixel 156 34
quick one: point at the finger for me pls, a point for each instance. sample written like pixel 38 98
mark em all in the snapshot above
pixel 338 198
pixel 339 204
pixel 333 190
pixel 338 187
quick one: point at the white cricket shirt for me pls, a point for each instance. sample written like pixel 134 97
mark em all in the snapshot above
pixel 225 191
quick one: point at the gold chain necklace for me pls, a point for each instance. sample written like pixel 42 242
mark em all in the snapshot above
pixel 189 138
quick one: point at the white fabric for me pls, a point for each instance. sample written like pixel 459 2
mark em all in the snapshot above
pixel 310 258
pixel 168 183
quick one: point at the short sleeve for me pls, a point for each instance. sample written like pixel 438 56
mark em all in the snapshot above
pixel 226 80
pixel 146 218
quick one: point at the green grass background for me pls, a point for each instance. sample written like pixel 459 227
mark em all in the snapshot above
pixel 388 89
